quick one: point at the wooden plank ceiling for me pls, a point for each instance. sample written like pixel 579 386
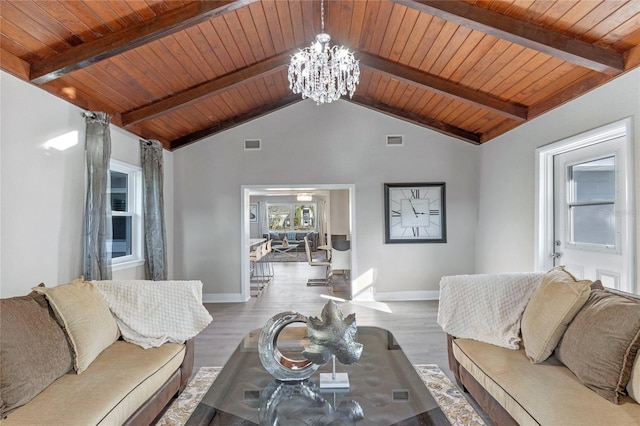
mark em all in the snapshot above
pixel 179 71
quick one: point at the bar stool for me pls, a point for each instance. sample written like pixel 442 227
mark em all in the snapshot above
pixel 267 258
pixel 257 271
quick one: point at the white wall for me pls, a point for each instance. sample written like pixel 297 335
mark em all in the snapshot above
pixel 339 215
pixel 490 189
pixel 42 190
pixel 340 143
pixel 506 217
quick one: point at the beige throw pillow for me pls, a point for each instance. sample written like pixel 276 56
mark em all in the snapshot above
pixel 552 306
pixel 83 313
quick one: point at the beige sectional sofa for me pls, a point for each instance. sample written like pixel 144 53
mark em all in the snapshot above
pixel 581 367
pixel 63 362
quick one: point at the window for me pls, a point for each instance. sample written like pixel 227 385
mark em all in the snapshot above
pixel 125 195
pixel 292 217
pixel 592 202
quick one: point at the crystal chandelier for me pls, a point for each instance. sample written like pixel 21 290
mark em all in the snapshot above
pixel 323 73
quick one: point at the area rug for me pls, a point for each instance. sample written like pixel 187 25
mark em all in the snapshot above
pixel 451 400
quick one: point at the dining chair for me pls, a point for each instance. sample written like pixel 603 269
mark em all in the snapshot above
pixel 341 261
pixel 310 261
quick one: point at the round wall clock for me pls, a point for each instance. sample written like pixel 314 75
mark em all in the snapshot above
pixel 415 213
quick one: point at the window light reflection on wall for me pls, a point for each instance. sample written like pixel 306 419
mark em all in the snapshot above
pixel 63 142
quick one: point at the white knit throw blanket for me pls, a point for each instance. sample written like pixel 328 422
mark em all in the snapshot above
pixel 150 313
pixel 486 307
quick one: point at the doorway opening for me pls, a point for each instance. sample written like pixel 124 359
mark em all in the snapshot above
pixel 584 203
pixel 340 217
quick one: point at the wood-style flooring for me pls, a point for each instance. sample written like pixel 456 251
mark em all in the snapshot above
pixel 412 323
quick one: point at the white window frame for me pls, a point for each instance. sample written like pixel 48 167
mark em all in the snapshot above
pixel 134 204
pixel 595 247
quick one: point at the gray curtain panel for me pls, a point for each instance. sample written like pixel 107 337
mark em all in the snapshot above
pixel 97 215
pixel 153 210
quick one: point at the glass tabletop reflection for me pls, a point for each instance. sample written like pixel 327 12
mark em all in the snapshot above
pixel 384 388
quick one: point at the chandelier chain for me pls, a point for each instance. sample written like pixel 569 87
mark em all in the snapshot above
pixel 322 15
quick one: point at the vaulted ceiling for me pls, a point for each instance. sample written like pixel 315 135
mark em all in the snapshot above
pixel 179 71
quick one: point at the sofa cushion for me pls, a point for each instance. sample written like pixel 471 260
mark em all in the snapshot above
pixel 34 350
pixel 545 393
pixel 291 236
pixel 274 236
pixel 552 306
pixel 86 318
pixel 120 379
pixel 601 343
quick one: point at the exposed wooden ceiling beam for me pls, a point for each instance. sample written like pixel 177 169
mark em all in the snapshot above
pixel 498 130
pixel 20 68
pixel 523 33
pixel 207 89
pixel 235 121
pixel 113 44
pixel 439 85
pixel 439 126
pixel 571 92
pixel 14 65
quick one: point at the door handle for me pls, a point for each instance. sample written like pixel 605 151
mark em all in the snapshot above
pixel 556 255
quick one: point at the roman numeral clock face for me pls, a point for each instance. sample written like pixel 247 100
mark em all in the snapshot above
pixel 415 213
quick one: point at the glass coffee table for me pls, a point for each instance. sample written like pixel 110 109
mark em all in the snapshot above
pixel 384 388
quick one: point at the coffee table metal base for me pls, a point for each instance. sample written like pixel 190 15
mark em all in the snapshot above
pixel 285 250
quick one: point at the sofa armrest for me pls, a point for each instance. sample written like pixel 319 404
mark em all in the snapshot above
pixel 469 384
pixel 186 369
pixel 454 365
pixel 152 409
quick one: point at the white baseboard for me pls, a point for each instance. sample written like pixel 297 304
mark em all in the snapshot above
pixel 222 298
pixel 384 296
pixel 396 296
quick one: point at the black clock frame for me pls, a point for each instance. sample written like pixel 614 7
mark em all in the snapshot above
pixel 387 219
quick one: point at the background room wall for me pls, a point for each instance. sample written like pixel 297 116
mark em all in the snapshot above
pixel 339 212
pixel 310 144
pixel 506 216
pixel 42 190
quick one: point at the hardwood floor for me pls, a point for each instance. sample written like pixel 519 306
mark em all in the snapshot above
pixel 412 323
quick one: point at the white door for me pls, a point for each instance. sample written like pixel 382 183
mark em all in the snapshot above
pixel 591 238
